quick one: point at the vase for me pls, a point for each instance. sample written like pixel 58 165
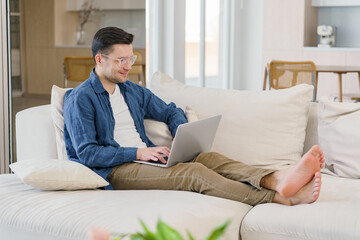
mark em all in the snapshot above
pixel 80 37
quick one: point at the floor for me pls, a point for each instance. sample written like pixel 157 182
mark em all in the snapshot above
pixel 24 102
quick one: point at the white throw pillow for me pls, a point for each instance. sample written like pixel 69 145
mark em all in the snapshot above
pixel 339 136
pixel 57 102
pixel 159 132
pixel 261 128
pixel 54 174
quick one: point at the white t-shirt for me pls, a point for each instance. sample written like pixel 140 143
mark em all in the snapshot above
pixel 125 132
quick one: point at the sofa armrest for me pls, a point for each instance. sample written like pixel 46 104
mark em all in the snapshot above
pixel 35 133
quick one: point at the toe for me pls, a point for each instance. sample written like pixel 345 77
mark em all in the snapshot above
pixel 315 150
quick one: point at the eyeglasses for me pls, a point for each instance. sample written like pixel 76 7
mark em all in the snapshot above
pixel 123 61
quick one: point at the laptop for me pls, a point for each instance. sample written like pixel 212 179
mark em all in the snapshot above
pixel 190 140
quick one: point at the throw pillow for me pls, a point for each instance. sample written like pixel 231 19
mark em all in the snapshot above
pixel 339 136
pixel 159 132
pixel 57 102
pixel 261 128
pixel 54 174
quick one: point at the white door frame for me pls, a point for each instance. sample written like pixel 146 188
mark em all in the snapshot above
pixel 5 110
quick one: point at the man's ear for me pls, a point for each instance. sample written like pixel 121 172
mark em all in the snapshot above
pixel 98 59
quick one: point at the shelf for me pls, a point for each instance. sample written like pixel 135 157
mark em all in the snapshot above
pixel 332 49
pixel 73 46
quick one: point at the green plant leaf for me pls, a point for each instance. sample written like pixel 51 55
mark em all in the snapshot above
pixel 165 232
pixel 148 235
pixel 218 232
pixel 116 238
pixel 190 236
pixel 137 236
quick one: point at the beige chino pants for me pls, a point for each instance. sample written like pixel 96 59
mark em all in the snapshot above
pixel 209 173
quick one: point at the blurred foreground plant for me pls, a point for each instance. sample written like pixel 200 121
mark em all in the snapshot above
pixel 163 232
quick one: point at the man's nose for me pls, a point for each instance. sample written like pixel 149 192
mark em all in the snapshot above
pixel 127 66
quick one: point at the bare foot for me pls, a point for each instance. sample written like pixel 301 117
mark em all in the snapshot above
pixel 294 178
pixel 307 194
pixel 289 181
pixel 322 160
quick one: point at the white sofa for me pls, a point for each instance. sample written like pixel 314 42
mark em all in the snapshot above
pixel 28 213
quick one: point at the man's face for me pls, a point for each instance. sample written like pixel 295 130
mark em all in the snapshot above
pixel 112 69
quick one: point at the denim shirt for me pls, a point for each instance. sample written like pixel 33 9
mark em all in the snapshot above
pixel 89 123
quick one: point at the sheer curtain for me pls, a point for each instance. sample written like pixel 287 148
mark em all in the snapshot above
pixel 202 35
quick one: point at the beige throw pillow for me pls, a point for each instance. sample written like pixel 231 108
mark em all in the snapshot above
pixel 339 136
pixel 159 132
pixel 54 174
pixel 57 102
pixel 261 128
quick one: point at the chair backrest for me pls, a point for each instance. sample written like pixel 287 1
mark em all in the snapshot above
pixel 284 74
pixel 77 69
pixel 138 70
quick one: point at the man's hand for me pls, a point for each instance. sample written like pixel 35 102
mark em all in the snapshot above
pixel 152 154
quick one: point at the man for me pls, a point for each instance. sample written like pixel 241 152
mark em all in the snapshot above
pixel 104 130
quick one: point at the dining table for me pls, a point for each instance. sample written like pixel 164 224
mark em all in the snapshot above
pixel 339 70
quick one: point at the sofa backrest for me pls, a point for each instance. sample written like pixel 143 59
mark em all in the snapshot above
pixel 35 134
pixel 311 137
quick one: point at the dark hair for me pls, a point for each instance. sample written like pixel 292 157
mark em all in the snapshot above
pixel 108 36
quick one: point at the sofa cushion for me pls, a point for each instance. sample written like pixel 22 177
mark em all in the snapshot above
pixel 335 215
pixel 57 102
pixel 159 132
pixel 54 174
pixel 311 138
pixel 261 128
pixel 339 137
pixel 26 212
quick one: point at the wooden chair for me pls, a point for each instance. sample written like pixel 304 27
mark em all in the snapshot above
pixel 77 69
pixel 138 70
pixel 353 96
pixel 285 74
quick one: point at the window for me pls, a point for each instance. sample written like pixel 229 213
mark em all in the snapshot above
pixel 202 30
pixel 191 41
